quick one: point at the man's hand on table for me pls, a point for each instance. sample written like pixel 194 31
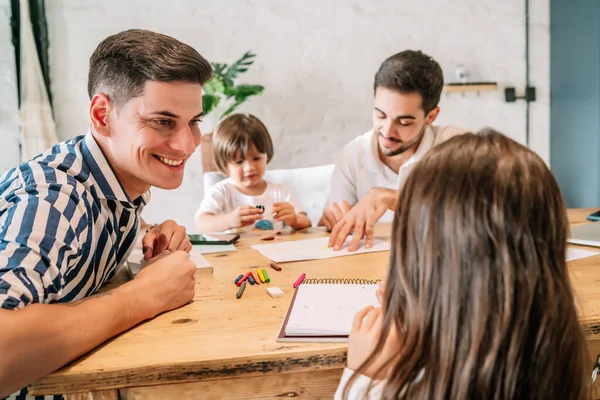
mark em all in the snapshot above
pixel 166 236
pixel 166 282
pixel 362 218
pixel 334 213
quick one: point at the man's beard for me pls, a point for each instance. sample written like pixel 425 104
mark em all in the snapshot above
pixel 404 146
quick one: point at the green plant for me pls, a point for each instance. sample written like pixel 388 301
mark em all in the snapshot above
pixel 222 85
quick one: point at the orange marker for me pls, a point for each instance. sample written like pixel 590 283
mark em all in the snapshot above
pixel 256 280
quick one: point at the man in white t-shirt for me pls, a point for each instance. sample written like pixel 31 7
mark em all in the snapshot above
pixel 372 168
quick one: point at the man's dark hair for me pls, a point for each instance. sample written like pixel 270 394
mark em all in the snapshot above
pixel 123 63
pixel 412 72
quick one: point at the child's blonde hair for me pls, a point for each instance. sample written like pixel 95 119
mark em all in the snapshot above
pixel 237 133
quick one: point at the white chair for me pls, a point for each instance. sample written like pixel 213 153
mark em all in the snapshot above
pixel 310 186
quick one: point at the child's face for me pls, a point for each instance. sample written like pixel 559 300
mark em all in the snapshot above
pixel 249 171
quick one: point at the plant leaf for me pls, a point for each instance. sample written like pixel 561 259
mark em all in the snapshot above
pixel 238 67
pixel 222 85
pixel 218 68
pixel 214 86
pixel 244 91
pixel 209 102
pixel 241 94
pixel 230 109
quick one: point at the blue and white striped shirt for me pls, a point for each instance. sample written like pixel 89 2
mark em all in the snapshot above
pixel 66 225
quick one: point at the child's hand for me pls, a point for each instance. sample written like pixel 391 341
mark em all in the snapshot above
pixel 246 215
pixel 365 333
pixel 380 292
pixel 285 212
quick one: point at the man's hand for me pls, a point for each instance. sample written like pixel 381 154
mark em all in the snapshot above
pixel 334 213
pixel 244 216
pixel 167 282
pixel 365 333
pixel 285 212
pixel 361 219
pixel 166 236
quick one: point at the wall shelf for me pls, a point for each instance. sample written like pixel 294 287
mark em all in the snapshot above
pixel 470 87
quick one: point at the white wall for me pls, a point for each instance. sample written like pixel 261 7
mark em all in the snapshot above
pixel 317 59
pixel 9 109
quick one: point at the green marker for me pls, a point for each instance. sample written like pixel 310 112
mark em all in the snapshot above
pixel 264 272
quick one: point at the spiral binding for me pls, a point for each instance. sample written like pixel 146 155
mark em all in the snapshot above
pixel 340 281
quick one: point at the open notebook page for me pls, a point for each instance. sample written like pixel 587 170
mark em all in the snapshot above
pixel 328 309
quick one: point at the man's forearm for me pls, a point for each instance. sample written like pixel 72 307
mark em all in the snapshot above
pixel 41 338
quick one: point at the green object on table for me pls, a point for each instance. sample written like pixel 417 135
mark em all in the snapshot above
pixel 264 272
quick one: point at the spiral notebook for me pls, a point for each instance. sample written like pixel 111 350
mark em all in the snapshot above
pixel 322 310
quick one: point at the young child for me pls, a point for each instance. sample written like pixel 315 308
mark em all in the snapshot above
pixel 477 302
pixel 242 149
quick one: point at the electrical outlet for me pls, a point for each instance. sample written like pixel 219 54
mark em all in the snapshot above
pixel 510 94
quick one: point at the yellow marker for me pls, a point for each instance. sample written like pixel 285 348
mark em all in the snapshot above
pixel 260 275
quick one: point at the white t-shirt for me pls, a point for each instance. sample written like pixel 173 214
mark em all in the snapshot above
pixel 224 197
pixel 359 169
pixel 359 389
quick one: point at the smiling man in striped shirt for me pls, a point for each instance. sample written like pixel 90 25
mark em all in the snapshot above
pixel 70 216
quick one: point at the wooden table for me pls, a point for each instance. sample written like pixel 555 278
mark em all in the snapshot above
pixel 219 347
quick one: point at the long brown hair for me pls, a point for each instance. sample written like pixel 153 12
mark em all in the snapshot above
pixel 478 280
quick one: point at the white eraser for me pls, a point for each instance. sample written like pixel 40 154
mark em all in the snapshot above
pixel 275 292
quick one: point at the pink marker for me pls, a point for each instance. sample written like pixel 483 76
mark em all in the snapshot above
pixel 299 280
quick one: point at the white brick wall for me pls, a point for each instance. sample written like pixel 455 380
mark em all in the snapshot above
pixel 317 59
pixel 9 118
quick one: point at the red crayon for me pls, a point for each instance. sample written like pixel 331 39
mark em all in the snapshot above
pixel 239 283
pixel 299 280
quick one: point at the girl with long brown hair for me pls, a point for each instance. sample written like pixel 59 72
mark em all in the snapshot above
pixel 477 302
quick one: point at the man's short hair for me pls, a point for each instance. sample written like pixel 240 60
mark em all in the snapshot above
pixel 412 72
pixel 123 63
pixel 237 133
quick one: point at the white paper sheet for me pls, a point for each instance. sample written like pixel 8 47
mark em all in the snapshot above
pixel 576 254
pixel 313 249
pixel 213 248
pixel 135 261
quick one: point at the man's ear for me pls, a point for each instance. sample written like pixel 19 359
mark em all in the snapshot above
pixel 432 116
pixel 100 110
